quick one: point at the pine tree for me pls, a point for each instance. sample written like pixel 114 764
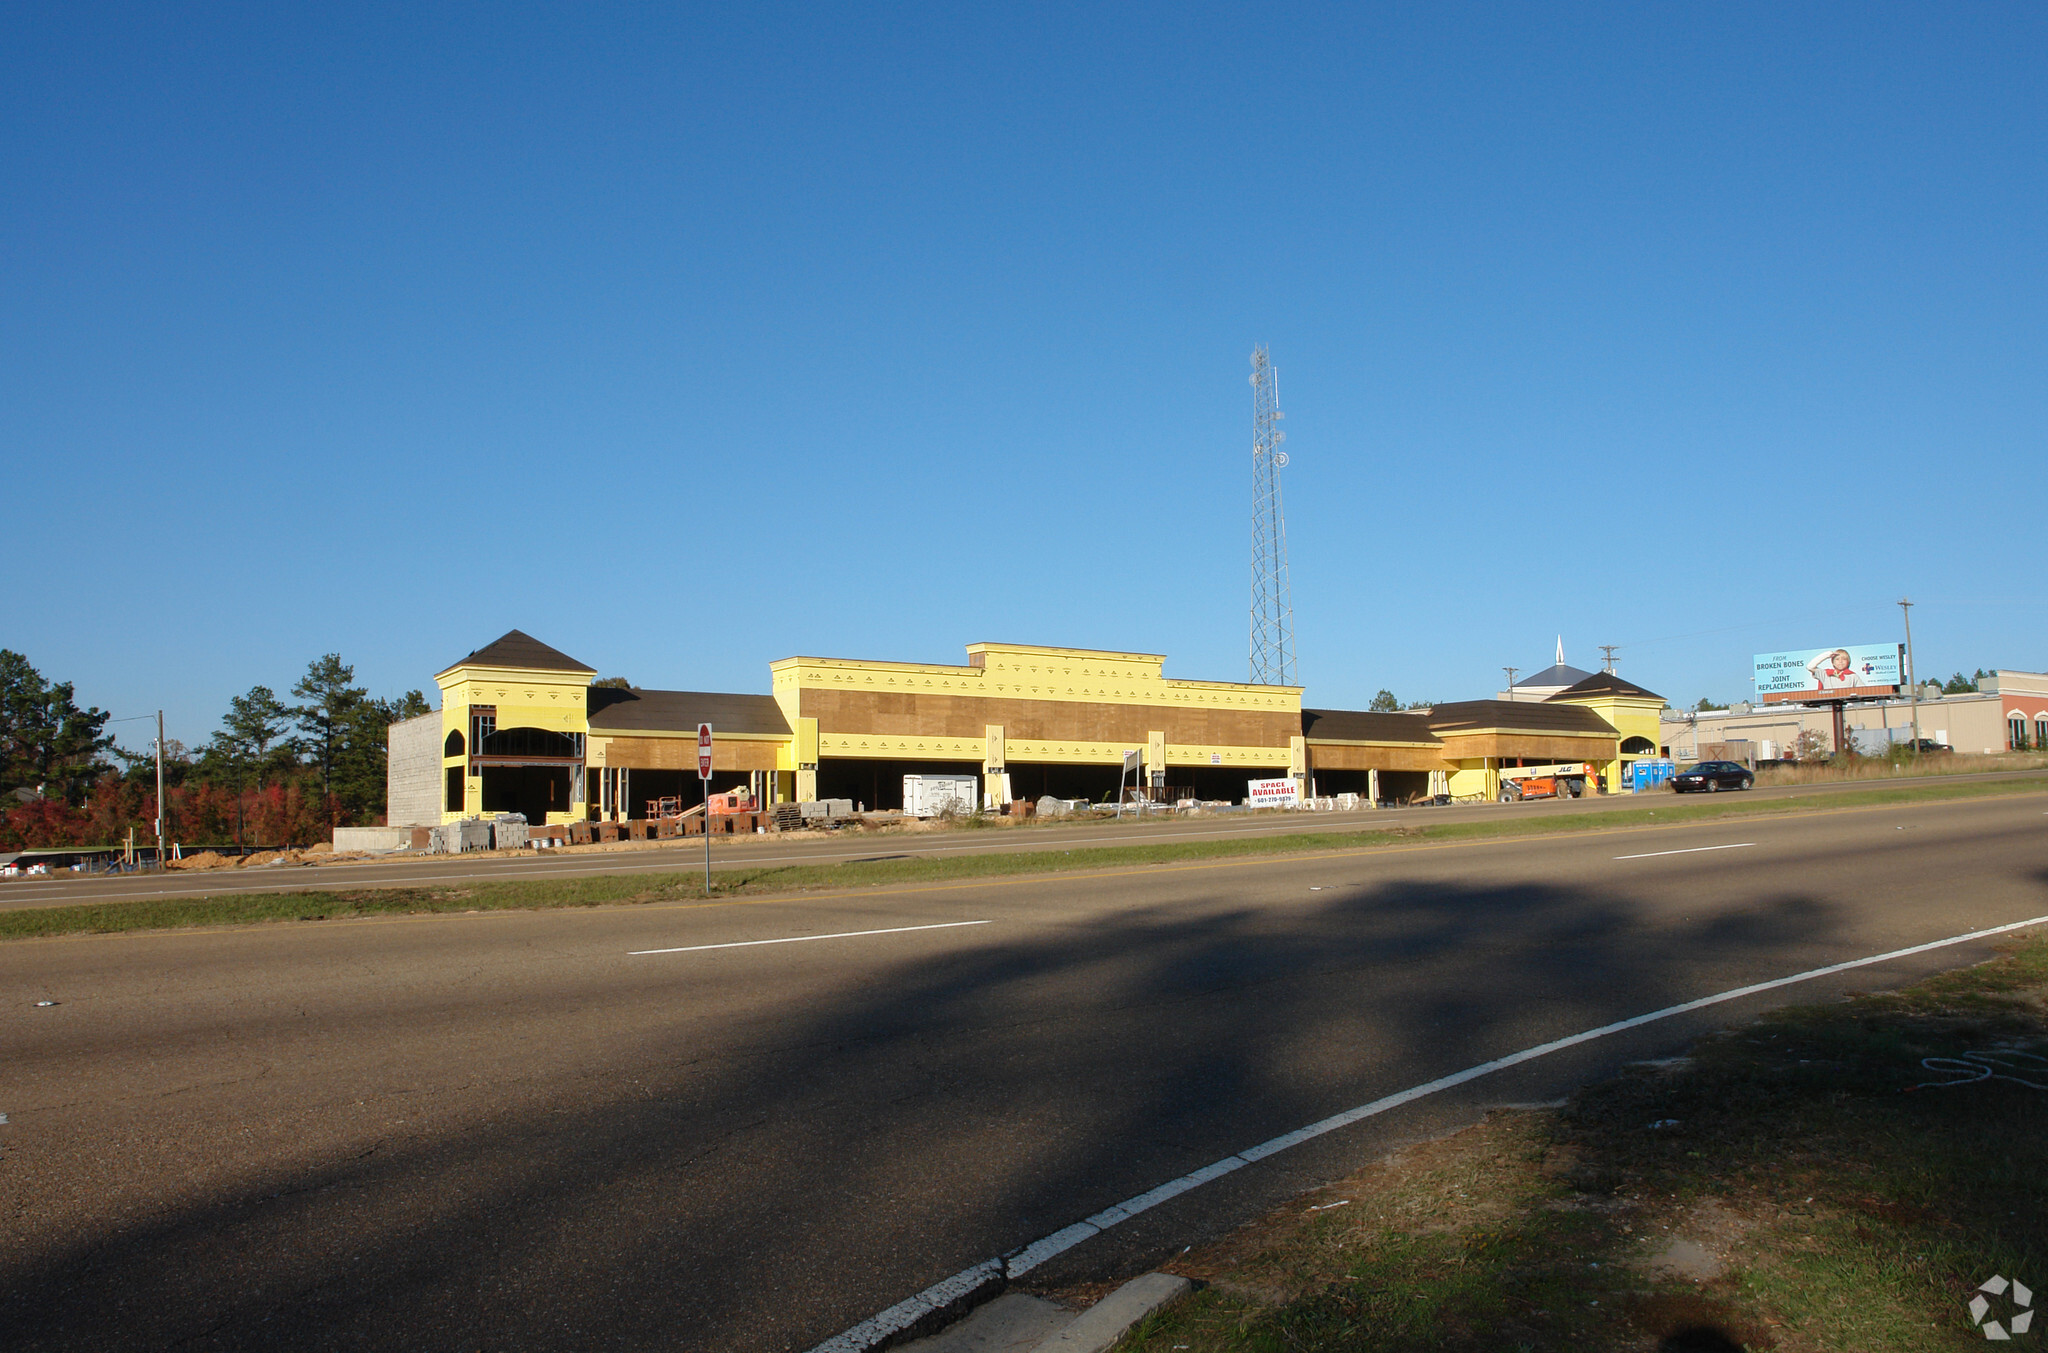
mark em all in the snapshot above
pixel 333 704
pixel 46 741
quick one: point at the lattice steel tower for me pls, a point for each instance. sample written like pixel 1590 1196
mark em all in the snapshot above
pixel 1272 598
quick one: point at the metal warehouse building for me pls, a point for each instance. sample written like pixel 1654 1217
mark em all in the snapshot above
pixel 522 728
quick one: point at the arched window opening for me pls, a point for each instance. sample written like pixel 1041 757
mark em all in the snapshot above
pixel 2016 733
pixel 1638 747
pixel 529 742
pixel 455 745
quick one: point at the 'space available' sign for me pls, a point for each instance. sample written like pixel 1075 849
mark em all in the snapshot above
pixel 1829 673
pixel 1273 793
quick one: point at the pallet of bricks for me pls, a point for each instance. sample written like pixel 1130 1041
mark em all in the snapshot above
pixel 789 817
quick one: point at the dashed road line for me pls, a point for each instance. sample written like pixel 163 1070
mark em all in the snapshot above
pixel 799 939
pixel 1692 850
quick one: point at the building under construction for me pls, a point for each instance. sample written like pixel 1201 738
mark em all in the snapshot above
pixel 522 728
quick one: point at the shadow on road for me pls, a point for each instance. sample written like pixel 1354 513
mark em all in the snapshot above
pixel 894 1123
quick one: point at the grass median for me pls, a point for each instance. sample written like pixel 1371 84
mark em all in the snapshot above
pixel 685 883
pixel 1844 1176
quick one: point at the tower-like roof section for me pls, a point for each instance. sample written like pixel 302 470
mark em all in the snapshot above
pixel 518 649
pixel 1606 683
pixel 1557 674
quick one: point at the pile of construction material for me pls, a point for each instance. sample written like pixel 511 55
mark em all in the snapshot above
pixel 820 813
pixel 505 831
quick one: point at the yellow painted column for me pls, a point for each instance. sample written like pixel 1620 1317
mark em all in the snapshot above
pixel 806 760
pixel 1155 757
pixel 1297 761
pixel 993 765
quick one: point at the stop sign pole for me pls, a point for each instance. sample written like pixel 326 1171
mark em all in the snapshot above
pixel 704 774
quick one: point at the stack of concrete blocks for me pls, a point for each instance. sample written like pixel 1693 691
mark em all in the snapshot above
pixel 508 831
pixel 825 810
pixel 412 772
pixel 453 838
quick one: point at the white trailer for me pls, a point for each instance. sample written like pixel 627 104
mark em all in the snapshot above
pixel 931 795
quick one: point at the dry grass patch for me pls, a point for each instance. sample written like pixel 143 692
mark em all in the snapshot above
pixel 1784 1188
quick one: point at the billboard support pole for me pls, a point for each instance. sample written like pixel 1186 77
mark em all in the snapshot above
pixel 1912 676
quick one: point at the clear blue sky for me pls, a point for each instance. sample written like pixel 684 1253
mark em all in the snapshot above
pixel 690 339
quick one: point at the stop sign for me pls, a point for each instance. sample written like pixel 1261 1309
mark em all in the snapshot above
pixel 703 751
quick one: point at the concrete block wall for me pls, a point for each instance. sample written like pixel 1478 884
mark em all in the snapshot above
pixel 372 838
pixel 412 783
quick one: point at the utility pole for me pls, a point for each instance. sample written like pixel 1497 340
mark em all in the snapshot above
pixel 159 789
pixel 1906 610
pixel 1511 680
pixel 1607 663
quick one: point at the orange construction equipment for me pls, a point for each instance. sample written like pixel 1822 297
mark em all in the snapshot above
pixel 1544 782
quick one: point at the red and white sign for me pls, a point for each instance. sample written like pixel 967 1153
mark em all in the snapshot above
pixel 703 751
pixel 1273 793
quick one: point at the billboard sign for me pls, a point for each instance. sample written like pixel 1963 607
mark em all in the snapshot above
pixel 1829 673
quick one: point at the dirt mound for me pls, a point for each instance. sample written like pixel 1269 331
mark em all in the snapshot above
pixel 204 859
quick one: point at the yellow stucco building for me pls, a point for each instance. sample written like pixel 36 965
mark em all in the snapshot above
pixel 1632 712
pixel 514 725
pixel 524 728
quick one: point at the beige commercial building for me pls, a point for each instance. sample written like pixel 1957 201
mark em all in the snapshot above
pixel 2009 711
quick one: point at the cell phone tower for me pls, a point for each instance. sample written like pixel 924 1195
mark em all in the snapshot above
pixel 1272 598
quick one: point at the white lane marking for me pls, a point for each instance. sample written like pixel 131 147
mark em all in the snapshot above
pixel 872 1332
pixel 1691 850
pixel 799 939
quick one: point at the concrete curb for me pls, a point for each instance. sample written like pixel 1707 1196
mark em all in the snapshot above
pixel 932 1309
pixel 1102 1324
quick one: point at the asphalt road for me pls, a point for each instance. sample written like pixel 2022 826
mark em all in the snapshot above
pixel 823 848
pixel 514 1130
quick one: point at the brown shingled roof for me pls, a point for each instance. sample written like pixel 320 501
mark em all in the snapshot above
pixel 1519 716
pixel 1358 725
pixel 520 649
pixel 1605 683
pixel 636 711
